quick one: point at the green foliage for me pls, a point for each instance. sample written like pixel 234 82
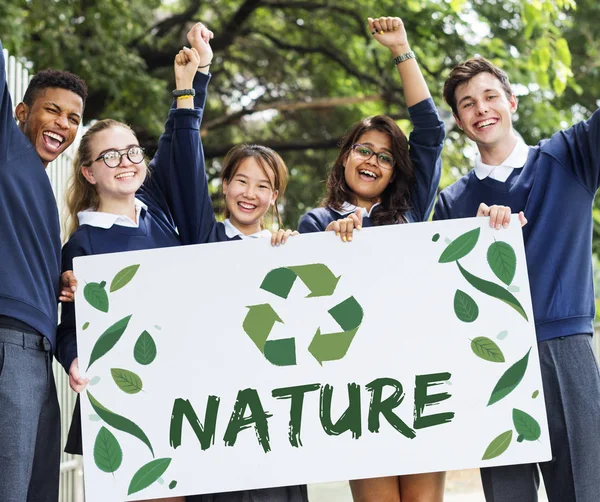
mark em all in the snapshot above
pixel 310 68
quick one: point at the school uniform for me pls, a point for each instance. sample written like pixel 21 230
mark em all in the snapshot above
pixel 425 147
pixel 554 183
pixel 154 226
pixel 29 288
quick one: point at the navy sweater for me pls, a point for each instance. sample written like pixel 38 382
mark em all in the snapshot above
pixel 156 225
pixel 29 228
pixel 425 147
pixel 556 190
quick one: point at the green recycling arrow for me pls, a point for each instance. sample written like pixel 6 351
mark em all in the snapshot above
pixel 333 346
pixel 258 325
pixel 317 277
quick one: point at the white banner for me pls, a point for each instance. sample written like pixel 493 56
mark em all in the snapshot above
pixel 236 365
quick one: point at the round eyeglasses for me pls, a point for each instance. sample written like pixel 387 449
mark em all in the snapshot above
pixel 363 152
pixel 113 158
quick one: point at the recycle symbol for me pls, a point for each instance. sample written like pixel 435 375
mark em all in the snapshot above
pixel 317 277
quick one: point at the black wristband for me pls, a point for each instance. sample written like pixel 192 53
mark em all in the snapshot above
pixel 183 92
pixel 206 65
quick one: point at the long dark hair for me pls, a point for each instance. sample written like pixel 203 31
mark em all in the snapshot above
pixel 395 199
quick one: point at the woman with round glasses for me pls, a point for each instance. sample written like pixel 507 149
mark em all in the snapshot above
pixel 116 205
pixel 380 177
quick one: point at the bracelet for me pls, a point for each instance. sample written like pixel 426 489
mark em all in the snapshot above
pixel 403 57
pixel 206 65
pixel 184 92
pixel 185 96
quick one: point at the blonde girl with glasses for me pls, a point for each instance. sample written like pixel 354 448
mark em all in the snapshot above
pixel 379 177
pixel 118 203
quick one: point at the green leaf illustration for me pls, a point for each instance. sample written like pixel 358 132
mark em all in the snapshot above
pixel 435 238
pixel 123 277
pixel 514 289
pixel 95 380
pixel 85 326
pixel 96 295
pixel 94 418
pixel 487 349
pixel 108 339
pixel 535 394
pixel 503 261
pixel 465 307
pixel 107 451
pixel 172 484
pixel 144 350
pixel 498 446
pixel 460 247
pixel 148 474
pixel 493 290
pixel 119 422
pixel 510 379
pixel 127 381
pixel 502 335
pixel 526 426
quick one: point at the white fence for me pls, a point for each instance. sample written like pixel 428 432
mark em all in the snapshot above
pixel 71 480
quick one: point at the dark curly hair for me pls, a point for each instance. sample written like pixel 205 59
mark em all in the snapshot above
pixel 47 79
pixel 395 199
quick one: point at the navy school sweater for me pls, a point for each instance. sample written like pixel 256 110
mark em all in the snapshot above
pixel 156 225
pixel 425 147
pixel 29 228
pixel 556 190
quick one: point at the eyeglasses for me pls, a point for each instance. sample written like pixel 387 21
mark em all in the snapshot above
pixel 385 160
pixel 113 158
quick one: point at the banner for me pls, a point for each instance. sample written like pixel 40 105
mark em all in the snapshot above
pixel 231 366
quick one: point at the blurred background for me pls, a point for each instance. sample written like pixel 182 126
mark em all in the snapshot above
pixel 294 75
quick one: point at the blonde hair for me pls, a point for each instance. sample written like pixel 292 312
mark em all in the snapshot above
pixel 81 194
pixel 266 159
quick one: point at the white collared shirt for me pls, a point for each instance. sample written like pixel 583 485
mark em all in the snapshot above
pixel 516 160
pixel 106 220
pixel 232 231
pixel 350 208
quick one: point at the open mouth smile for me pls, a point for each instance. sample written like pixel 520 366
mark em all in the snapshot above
pixel 367 175
pixel 246 206
pixel 52 140
pixel 485 123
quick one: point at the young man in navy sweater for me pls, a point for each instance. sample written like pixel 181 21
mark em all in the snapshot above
pixel 554 183
pixel 48 119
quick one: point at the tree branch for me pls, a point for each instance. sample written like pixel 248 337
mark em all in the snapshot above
pixel 211 152
pixel 325 52
pixel 315 104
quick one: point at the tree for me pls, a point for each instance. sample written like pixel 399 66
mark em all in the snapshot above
pixel 295 74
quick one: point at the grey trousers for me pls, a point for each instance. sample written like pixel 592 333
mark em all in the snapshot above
pixel 29 419
pixel 571 381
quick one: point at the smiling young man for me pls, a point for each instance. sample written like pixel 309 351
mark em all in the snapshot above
pixel 554 183
pixel 48 119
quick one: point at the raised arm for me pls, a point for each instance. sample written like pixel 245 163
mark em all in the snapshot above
pixel 427 138
pixel 390 32
pixel 9 132
pixel 178 167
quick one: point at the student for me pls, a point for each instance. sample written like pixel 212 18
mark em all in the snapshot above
pixel 47 123
pixel 380 178
pixel 554 183
pixel 115 207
